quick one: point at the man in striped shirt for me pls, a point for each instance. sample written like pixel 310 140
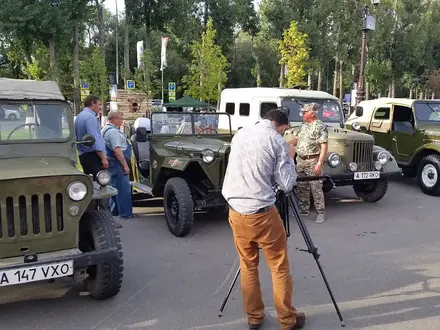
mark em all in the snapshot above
pixel 259 159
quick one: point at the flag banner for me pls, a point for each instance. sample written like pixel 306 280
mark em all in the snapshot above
pixel 163 54
pixel 140 51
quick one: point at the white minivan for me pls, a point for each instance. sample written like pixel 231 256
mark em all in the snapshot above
pixel 246 106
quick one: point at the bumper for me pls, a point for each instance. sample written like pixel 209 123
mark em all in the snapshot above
pixel 80 260
pixel 347 179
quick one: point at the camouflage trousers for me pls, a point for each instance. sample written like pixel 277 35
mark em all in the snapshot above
pixel 306 167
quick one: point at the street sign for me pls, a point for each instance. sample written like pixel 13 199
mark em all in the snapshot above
pixel 130 84
pixel 172 86
pixel 171 91
pixel 84 85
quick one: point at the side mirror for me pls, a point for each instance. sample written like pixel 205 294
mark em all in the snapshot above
pixel 88 140
pixel 359 111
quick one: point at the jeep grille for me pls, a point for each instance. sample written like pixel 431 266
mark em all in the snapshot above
pixel 363 154
pixel 32 214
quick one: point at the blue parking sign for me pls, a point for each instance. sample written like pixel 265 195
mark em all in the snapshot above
pixel 130 84
pixel 85 85
pixel 172 86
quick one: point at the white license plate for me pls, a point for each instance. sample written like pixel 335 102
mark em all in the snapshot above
pixel 36 273
pixel 366 175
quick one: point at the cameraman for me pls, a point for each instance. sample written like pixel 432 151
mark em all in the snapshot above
pixel 259 158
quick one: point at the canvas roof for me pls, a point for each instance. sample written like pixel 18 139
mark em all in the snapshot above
pixel 21 89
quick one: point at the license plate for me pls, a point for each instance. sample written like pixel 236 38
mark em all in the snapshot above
pixel 36 273
pixel 366 175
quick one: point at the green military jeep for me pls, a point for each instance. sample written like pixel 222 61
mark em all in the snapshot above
pixel 408 129
pixel 182 158
pixel 51 221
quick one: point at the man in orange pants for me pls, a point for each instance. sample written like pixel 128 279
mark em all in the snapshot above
pixel 260 158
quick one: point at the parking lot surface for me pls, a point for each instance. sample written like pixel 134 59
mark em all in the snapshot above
pixel 382 261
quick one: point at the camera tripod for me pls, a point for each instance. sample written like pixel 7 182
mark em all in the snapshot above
pixel 284 200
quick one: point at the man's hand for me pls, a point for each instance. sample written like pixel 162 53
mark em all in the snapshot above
pixel 291 150
pixel 294 141
pixel 318 169
pixel 104 162
pixel 126 170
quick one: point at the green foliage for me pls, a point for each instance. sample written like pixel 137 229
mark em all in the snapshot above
pixel 294 55
pixel 207 72
pixel 93 70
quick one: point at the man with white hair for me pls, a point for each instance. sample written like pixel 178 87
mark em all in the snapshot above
pixel 118 152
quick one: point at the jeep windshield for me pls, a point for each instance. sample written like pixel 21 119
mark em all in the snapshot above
pixel 329 112
pixel 187 123
pixel 35 122
pixel 427 112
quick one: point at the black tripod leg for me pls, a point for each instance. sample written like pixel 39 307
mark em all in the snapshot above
pixel 314 251
pixel 229 292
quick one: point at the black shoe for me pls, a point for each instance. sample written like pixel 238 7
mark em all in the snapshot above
pixel 254 326
pixel 300 321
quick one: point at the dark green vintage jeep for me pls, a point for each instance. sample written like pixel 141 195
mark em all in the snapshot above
pixel 182 158
pixel 408 129
pixel 51 221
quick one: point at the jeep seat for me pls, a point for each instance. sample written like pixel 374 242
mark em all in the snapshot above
pixel 141 150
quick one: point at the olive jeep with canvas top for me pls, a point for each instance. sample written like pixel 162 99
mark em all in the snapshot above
pixel 352 159
pixel 51 222
pixel 410 130
pixel 182 158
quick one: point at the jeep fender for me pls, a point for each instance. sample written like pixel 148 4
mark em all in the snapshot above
pixel 175 163
pixel 103 192
pixel 425 148
pixel 391 166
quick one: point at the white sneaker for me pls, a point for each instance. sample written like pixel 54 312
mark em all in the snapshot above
pixel 320 218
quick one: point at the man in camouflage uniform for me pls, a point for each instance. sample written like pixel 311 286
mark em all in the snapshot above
pixel 310 142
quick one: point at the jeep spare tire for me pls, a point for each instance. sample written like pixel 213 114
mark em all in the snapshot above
pixel 178 206
pixel 97 232
pixel 372 191
pixel 428 175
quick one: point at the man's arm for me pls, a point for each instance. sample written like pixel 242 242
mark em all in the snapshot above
pixel 323 141
pixel 99 145
pixel 285 171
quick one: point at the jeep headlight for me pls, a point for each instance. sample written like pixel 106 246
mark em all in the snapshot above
pixel 77 191
pixel 382 157
pixel 334 159
pixel 356 125
pixel 208 156
pixel 103 178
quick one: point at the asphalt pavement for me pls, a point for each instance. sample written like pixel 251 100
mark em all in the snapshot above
pixel 382 261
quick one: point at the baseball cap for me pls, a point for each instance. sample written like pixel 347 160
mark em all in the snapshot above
pixel 309 107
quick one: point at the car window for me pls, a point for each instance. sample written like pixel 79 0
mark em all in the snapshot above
pixel 34 122
pixel 382 113
pixel 427 112
pixel 329 112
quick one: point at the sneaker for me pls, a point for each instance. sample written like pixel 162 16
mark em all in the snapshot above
pixel 320 218
pixel 133 216
pixel 300 321
pixel 305 213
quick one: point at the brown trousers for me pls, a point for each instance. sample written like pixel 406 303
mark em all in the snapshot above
pixel 267 231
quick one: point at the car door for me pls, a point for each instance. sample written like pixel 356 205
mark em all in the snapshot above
pixel 402 132
pixel 380 127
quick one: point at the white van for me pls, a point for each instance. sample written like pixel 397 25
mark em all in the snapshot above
pixel 246 106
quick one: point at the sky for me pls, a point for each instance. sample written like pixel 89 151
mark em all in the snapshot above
pixel 111 5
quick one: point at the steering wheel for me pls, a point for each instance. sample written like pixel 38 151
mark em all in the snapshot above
pixel 207 128
pixel 29 124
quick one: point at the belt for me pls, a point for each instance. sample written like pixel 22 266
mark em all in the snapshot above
pixel 259 211
pixel 308 157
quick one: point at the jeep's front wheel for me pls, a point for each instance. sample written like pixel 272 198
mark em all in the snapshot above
pixel 429 175
pixel 371 192
pixel 97 232
pixel 178 206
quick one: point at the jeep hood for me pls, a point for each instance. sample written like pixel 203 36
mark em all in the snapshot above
pixel 196 145
pixel 17 168
pixel 432 131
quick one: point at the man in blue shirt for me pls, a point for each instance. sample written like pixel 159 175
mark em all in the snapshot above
pixel 92 158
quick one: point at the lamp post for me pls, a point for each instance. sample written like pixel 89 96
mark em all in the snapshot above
pixel 117 44
pixel 369 24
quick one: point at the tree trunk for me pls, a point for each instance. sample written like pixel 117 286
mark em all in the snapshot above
pixel 335 77
pixel 393 88
pixel 319 79
pixel 367 91
pixel 309 81
pixel 257 63
pixel 126 43
pixel 101 29
pixel 281 75
pixel 341 81
pixel 52 58
pixel 432 95
pixel 410 93
pixel 77 95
